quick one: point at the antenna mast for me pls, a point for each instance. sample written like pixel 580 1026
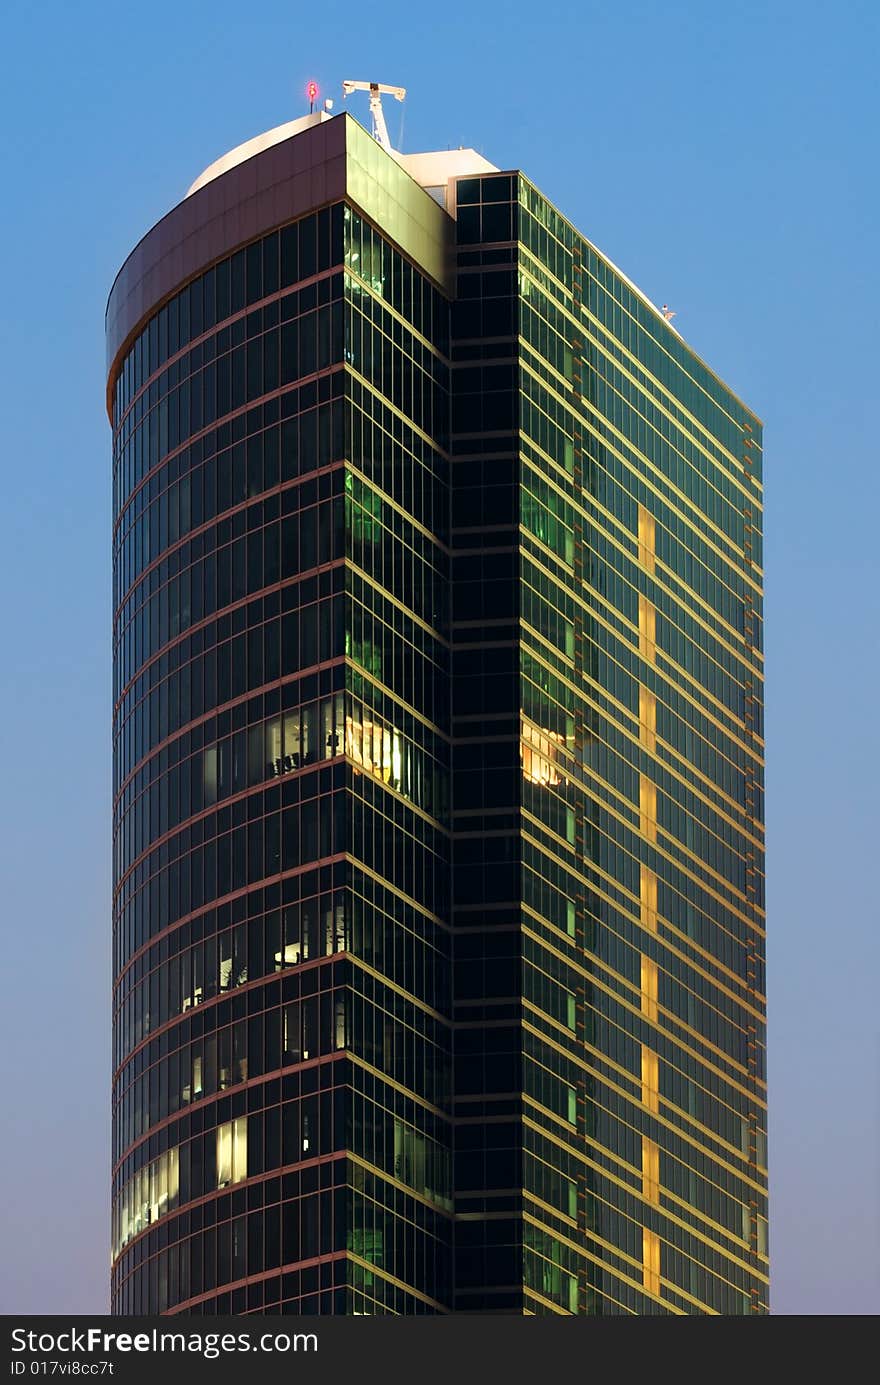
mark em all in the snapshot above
pixel 376 90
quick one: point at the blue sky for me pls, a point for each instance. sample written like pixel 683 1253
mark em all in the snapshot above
pixel 725 159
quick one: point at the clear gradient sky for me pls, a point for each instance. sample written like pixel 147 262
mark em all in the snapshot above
pixel 724 155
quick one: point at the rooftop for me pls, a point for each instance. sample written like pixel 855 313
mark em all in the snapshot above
pixel 432 170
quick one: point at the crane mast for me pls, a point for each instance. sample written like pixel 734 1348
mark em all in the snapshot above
pixel 377 90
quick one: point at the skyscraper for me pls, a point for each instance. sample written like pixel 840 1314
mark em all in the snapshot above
pixel 438 911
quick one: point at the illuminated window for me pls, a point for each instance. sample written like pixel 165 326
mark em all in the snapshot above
pixel 762 1236
pixel 304 736
pixel 650 979
pixel 299 941
pixel 332 727
pixel 209 775
pixel 648 891
pixel 651 1261
pixel 231 964
pixel 647 539
pixel 232 1152
pixel 647 808
pixel 192 1090
pixel 274 749
pixel 334 930
pixel 148 1195
pixel 647 719
pixel 650 1171
pixel 650 1079
pixel 194 981
pixel 762 1149
pixel 538 753
pixel 377 749
pixel 225 971
pixel 647 630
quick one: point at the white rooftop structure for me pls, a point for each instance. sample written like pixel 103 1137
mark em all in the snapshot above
pixel 431 171
pixel 245 151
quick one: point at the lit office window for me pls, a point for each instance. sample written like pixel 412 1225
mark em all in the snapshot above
pixel 232 1152
pixel 538 752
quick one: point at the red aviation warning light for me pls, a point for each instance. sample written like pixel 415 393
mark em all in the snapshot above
pixel 312 94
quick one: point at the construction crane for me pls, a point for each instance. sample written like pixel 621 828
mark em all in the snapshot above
pixel 377 91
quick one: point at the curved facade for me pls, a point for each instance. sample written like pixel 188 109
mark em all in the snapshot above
pixel 281 753
pixel 438 777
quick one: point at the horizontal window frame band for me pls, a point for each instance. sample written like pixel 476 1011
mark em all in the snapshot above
pixel 185 229
pixel 124 445
pixel 240 797
pixel 634 1192
pixel 185 1306
pixel 740 906
pixel 225 322
pixel 750 922
pixel 381 1175
pixel 664 400
pixel 279 489
pixel 621 808
pixel 576 1050
pixel 275 684
pixel 426 848
pixel 338 858
pixel 291 776
pixel 322 1060
pixel 585 884
pixel 684 508
pixel 204 1006
pixel 215 1194
pixel 233 606
pixel 571 960
pixel 681 506
pixel 752 670
pixel 731 1255
pixel 260 786
pixel 420 1101
pixel 389 692
pixel 354 467
pixel 590 686
pixel 384 303
pixel 375 392
pixel 588 1070
pixel 396 602
pixel 637 1265
pixel 325 373
pixel 247 987
pixel 337 661
pixel 565 295
pixel 574 1150
pixel 282 974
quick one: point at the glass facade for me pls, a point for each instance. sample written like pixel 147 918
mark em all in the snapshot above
pixel 610 1086
pixel 437 780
